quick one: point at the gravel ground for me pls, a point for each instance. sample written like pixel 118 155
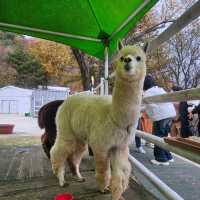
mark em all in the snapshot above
pixel 18 140
pixel 23 125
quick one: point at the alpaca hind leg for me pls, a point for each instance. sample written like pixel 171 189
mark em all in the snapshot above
pixel 59 153
pixel 102 161
pixel 75 159
pixel 61 175
pixel 120 173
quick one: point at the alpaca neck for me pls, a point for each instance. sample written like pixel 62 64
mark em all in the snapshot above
pixel 126 102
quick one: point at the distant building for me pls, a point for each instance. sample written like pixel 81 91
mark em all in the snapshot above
pixel 42 96
pixel 15 100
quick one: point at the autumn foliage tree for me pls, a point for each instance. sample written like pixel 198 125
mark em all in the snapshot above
pixel 17 66
pixel 57 60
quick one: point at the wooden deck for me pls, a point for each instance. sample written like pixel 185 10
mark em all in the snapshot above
pixel 25 173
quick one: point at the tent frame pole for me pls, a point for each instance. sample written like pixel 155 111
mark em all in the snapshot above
pixel 102 87
pixel 106 56
pixel 131 16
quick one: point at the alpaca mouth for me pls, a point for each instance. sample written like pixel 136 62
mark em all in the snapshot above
pixel 127 67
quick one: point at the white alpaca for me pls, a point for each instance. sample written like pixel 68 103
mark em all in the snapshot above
pixel 106 123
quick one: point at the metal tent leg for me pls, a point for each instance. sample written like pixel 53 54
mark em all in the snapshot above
pixel 102 87
pixel 106 71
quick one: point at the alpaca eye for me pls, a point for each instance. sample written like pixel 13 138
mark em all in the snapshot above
pixel 122 59
pixel 138 58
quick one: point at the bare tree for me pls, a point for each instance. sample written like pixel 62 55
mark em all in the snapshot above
pixel 184 51
pixel 177 60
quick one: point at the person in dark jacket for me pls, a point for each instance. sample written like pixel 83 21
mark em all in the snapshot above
pixel 161 114
pixel 185 130
pixel 196 110
pixel 184 119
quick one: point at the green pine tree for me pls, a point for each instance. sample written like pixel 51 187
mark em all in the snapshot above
pixel 30 73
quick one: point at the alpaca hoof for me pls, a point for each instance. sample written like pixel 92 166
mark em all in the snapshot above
pixel 105 190
pixel 81 180
pixel 62 183
pixel 78 179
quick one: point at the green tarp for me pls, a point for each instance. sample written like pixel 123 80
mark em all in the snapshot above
pixel 84 24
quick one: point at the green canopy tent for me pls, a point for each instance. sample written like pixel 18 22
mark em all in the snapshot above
pixel 93 26
pixel 85 24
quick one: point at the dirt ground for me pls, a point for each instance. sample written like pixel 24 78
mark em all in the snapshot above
pixel 26 126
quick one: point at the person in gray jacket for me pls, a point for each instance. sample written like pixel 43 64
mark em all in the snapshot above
pixel 161 114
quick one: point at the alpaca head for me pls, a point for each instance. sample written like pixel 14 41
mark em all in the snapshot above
pixel 130 63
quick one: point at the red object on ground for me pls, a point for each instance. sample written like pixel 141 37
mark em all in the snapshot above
pixel 64 196
pixel 6 128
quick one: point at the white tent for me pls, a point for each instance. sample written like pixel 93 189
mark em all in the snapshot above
pixel 15 100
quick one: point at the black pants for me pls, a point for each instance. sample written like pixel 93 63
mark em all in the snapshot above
pixel 137 142
pixel 161 129
pixel 138 139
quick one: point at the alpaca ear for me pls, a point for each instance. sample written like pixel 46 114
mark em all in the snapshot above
pixel 145 47
pixel 120 45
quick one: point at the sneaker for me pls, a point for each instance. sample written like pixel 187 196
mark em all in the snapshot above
pixel 140 150
pixel 150 145
pixel 155 162
pixel 143 141
pixel 172 160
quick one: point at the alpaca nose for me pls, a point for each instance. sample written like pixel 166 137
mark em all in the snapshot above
pixel 127 60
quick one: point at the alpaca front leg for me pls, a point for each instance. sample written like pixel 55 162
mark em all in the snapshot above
pixel 120 173
pixel 102 170
pixel 58 168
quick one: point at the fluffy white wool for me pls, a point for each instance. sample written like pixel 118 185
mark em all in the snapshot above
pixel 105 122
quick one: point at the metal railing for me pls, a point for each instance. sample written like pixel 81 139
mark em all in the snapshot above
pixel 190 94
pixel 160 185
pixel 190 155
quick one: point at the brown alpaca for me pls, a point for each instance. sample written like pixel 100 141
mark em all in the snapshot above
pixel 105 123
pixel 46 120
